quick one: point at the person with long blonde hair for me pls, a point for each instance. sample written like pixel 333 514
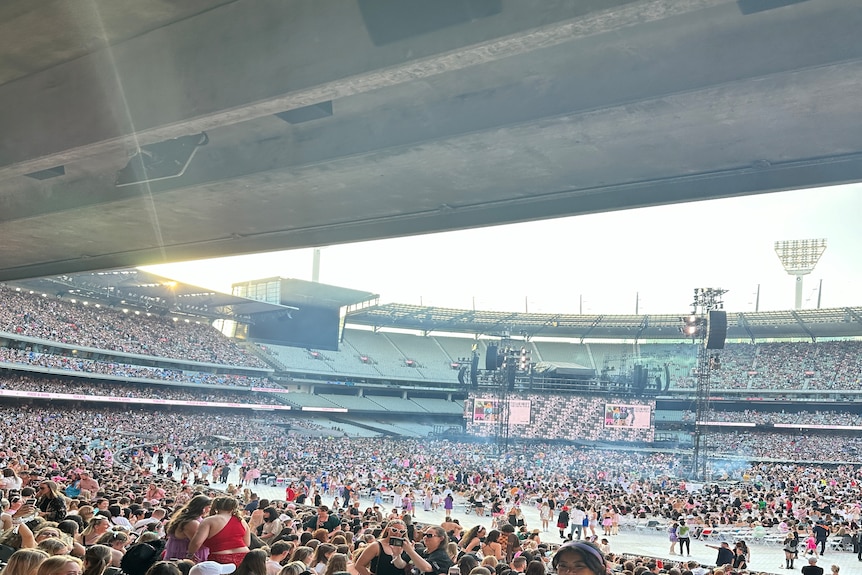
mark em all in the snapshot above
pixel 50 502
pixel 60 565
pixel 98 526
pixel 25 562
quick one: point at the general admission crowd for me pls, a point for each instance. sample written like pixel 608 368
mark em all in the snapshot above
pixel 113 477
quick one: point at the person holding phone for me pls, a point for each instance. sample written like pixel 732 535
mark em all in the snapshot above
pixel 391 553
pixel 50 502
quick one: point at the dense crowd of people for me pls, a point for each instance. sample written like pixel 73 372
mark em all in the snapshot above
pixel 27 382
pixel 801 418
pixel 112 329
pixel 126 475
pixel 556 416
pixel 76 364
pixel 827 365
pixel 86 488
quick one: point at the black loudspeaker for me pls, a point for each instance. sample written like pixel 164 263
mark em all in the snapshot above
pixel 510 375
pixel 462 373
pixel 716 330
pixel 491 358
pixel 474 371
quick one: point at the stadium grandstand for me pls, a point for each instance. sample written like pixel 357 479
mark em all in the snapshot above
pixel 150 378
pixel 290 427
pixel 123 335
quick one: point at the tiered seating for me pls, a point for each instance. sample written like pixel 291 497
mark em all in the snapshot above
pixel 553 351
pixel 456 347
pixel 297 358
pixel 436 405
pixel 302 399
pixel 387 359
pixel 432 359
pixel 406 429
pixel 347 361
pixel 351 402
pixel 396 404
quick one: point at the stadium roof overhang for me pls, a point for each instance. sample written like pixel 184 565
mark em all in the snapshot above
pixel 807 324
pixel 143 291
pixel 315 293
pixel 329 122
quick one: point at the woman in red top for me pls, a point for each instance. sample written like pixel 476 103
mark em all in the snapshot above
pixel 224 532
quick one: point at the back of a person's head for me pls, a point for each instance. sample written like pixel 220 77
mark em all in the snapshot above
pixel 467 563
pixel 480 571
pixel 138 558
pixel 254 563
pixel 184 565
pixel 163 568
pixel 57 565
pixel 97 558
pixel 25 562
pixel 280 547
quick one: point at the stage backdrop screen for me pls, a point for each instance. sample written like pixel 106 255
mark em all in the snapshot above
pixel 627 416
pixel 487 410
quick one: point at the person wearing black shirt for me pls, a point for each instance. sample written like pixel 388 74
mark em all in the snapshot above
pixel 563 521
pixel 435 555
pixel 812 568
pixel 739 561
pixel 725 555
pixel 821 534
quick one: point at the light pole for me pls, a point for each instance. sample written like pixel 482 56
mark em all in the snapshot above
pixel 799 257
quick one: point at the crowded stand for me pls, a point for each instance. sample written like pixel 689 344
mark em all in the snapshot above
pixel 176 477
pixel 118 369
pixel 787 447
pixel 38 384
pixel 802 418
pixel 105 328
pixel 828 365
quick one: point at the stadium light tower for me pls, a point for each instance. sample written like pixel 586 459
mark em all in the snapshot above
pixel 799 258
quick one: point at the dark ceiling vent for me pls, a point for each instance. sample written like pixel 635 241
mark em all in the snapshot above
pixel 54 172
pixel 307 113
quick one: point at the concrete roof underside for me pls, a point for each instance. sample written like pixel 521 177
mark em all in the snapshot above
pixel 473 113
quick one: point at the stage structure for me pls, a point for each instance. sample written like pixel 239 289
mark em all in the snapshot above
pixel 502 360
pixel 707 325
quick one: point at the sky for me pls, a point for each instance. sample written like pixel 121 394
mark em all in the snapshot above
pixel 646 260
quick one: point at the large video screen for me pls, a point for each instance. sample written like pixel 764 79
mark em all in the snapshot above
pixel 547 410
pixel 486 410
pixel 311 327
pixel 627 416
